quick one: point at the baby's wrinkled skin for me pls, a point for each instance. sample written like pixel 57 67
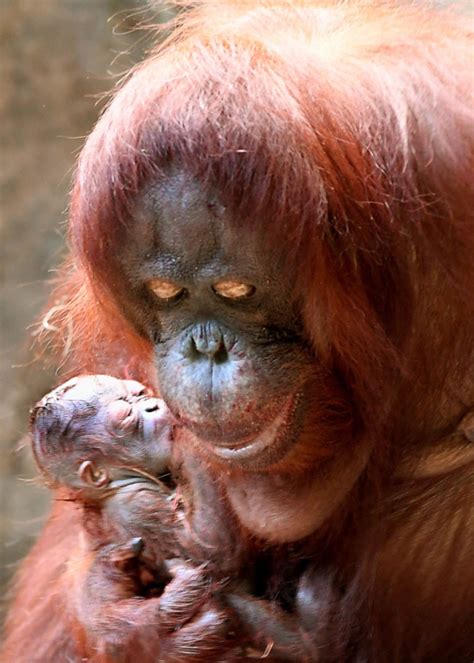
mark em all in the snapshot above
pixel 111 422
pixel 107 442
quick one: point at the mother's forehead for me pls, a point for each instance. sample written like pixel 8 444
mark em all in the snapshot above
pixel 177 214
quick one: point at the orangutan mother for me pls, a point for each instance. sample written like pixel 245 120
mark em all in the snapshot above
pixel 273 224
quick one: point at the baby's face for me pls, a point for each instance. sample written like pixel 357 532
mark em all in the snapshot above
pixel 117 407
pixel 91 426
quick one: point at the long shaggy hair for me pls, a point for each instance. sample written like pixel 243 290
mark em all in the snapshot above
pixel 345 132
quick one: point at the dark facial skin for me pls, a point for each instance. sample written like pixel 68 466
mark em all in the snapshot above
pixel 225 332
pixel 232 363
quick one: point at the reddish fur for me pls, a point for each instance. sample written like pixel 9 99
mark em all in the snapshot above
pixel 357 139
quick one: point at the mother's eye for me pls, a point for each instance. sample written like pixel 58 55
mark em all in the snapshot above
pixel 233 289
pixel 166 290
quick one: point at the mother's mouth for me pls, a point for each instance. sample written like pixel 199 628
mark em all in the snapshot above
pixel 272 440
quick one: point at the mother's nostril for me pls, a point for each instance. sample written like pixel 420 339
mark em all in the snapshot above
pixel 208 341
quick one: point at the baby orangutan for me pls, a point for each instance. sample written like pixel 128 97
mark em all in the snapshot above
pixel 107 445
pixel 106 442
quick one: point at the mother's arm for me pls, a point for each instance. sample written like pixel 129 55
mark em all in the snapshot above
pixel 39 626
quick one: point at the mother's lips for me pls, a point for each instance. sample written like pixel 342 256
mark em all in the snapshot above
pixel 256 443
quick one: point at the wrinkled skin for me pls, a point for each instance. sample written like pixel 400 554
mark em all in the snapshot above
pixel 107 443
pixel 233 368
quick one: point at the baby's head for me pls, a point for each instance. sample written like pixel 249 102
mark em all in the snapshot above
pixel 93 430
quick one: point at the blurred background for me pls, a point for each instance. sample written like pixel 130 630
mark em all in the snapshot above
pixel 57 59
